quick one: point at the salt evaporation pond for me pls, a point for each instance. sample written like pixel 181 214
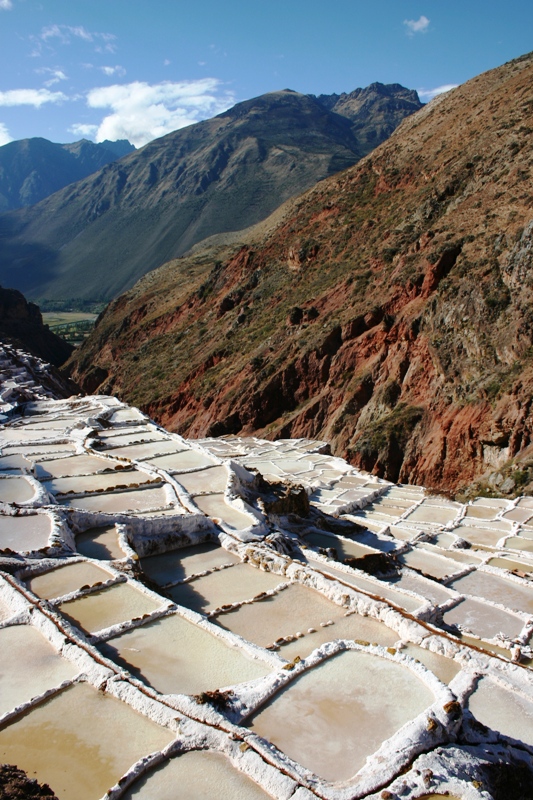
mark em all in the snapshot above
pixel 102 482
pixel 519 543
pixel 73 465
pixel 101 543
pixel 214 505
pixel 80 742
pixel 231 585
pixel 332 718
pixel 120 502
pixel 502 710
pixel 100 610
pixel 437 566
pixel 433 514
pixel 176 565
pixel 22 677
pixel 16 489
pixel 343 548
pixel 187 459
pixel 174 655
pixel 66 579
pixel 199 775
pixel 500 590
pixel 212 479
pixel 145 452
pixel 483 620
pixel 15 461
pixel 25 533
pixel 510 564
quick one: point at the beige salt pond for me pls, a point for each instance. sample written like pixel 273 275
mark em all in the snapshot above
pixel 100 610
pixel 355 700
pixel 511 564
pixel 232 585
pixel 499 590
pixel 66 579
pixel 80 742
pixel 73 465
pixel 212 479
pixel 23 677
pixel 145 452
pixel 344 548
pixel 42 449
pixel 440 515
pixel 101 543
pixel 97 483
pixel 176 565
pixel 502 710
pixel 15 461
pixel 519 543
pixel 186 459
pixel 16 489
pixel 175 656
pixel 214 505
pixel 199 775
pixel 25 533
pixel 483 620
pixel 437 566
pixel 121 502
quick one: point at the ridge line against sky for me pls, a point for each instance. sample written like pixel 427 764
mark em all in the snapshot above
pixel 120 69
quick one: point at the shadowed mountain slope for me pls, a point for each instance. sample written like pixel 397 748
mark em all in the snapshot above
pixel 32 169
pixel 389 312
pixel 95 238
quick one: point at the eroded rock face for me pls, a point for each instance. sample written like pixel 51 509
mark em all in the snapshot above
pixel 21 324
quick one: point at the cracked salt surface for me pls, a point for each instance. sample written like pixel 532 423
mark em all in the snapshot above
pixel 134 622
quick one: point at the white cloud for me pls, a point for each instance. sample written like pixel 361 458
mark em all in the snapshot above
pixel 30 97
pixel 56 75
pixel 4 135
pixel 65 34
pixel 6 5
pixel 429 94
pixel 87 131
pixel 117 70
pixel 142 112
pixel 420 25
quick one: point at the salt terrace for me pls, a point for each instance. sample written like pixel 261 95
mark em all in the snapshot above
pixel 249 619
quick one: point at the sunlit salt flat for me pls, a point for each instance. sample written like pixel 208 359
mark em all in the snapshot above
pixel 519 543
pixel 176 656
pixel 23 533
pixel 80 742
pixel 214 505
pixel 344 548
pixel 176 565
pixel 355 701
pixel 435 565
pixel 483 620
pixel 120 502
pixel 66 579
pixel 376 588
pixel 73 465
pixel 16 489
pixel 23 677
pixel 212 479
pixel 100 610
pixel 502 710
pixel 102 543
pixel 500 590
pixel 480 536
pixel 199 775
pixel 186 459
pixel 231 585
pixel 98 483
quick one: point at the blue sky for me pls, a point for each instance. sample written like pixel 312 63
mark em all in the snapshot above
pixel 136 69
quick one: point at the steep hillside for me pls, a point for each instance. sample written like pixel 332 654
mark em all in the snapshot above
pixel 32 169
pixel 95 238
pixel 21 325
pixel 389 312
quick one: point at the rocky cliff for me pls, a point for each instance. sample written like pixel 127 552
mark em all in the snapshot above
pixel 21 325
pixel 389 312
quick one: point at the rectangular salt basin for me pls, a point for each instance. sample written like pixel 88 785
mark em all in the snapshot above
pixel 333 717
pixel 25 677
pixel 343 548
pixel 483 620
pixel 433 514
pixel 15 461
pixel 212 479
pixel 66 579
pixel 511 564
pixel 199 775
pixel 100 610
pixel 214 505
pixel 98 483
pixel 43 449
pixel 424 587
pixel 502 710
pixel 519 543
pixel 231 585
pixel 25 533
pixel 80 742
pixel 518 514
pixel 73 465
pixel 187 459
pixel 479 536
pixel 121 502
pixel 145 452
pixel 101 543
pixel 175 656
pixel 176 565
pixel 294 610
pixel 15 489
pixel 497 589
pixel 437 566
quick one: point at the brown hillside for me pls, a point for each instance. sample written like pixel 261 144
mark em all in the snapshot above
pixel 389 312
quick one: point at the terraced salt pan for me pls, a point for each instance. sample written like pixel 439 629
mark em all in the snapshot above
pixel 80 742
pixel 121 502
pixel 519 543
pixel 97 483
pixel 199 775
pixel 433 514
pixel 24 677
pixel 231 585
pixel 479 536
pixel 343 548
pixel 500 590
pixel 502 710
pixel 66 579
pixel 355 701
pixel 43 449
pixel 101 543
pixel 483 620
pixel 175 656
pixel 185 459
pixel 444 668
pixel 437 566
pixel 73 465
pixel 433 591
pixel 22 435
pixel 213 479
pixel 177 565
pixel 214 505
pixel 126 439
pixel 100 610
pixel 518 514
pixel 511 564
pixel 127 415
pixel 145 452
pixel 25 533
pixel 15 461
pixel 16 489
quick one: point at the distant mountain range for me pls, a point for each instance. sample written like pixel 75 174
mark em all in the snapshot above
pixel 93 239
pixel 32 169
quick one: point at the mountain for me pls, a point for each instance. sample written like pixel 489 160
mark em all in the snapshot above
pixel 389 310
pixel 95 238
pixel 32 169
